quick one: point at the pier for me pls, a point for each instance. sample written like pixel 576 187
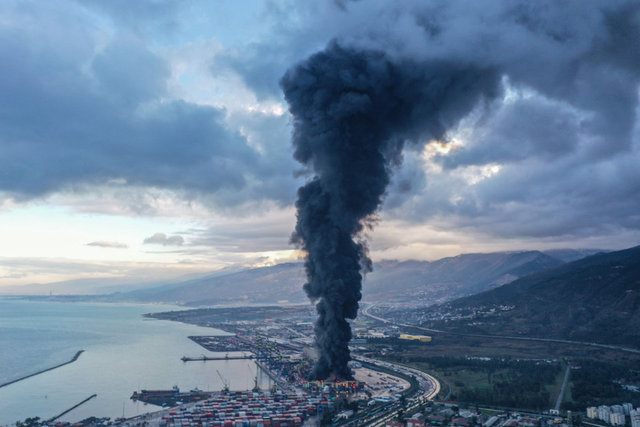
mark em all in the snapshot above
pixel 284 385
pixel 225 357
pixel 72 408
pixel 44 370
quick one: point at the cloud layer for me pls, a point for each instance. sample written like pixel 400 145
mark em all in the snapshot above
pixel 106 244
pixel 151 109
pixel 85 108
pixel 551 158
pixel 164 240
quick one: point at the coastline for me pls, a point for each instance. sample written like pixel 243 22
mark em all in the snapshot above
pixel 123 353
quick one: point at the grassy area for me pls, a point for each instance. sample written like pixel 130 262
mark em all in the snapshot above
pixel 568 398
pixel 490 384
pixel 464 378
pixel 554 389
pixel 490 412
pixel 598 383
pixel 497 382
pixel 455 346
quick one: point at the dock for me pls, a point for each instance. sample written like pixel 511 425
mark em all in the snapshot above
pixel 44 370
pixel 225 357
pixel 278 381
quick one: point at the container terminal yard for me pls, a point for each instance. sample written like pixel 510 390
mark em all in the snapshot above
pixel 283 350
pixel 248 409
pixel 278 340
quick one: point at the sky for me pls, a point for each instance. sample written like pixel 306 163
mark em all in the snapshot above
pixel 151 140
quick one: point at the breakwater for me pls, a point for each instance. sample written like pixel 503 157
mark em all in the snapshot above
pixel 72 408
pixel 43 371
pixel 226 357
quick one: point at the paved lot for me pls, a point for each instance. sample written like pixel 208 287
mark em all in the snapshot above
pixel 380 384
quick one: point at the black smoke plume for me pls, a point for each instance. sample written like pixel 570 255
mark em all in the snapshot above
pixel 353 111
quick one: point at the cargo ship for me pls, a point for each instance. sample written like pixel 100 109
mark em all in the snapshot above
pixel 169 397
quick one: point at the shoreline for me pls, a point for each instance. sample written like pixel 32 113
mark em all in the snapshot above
pixel 77 355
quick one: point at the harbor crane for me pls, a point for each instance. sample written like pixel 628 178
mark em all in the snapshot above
pixel 225 383
pixel 256 387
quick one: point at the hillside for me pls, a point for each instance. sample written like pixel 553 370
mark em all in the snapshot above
pixel 438 281
pixel 569 255
pixel 279 283
pixel 409 281
pixel 593 299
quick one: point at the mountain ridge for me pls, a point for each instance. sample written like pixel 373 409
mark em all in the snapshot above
pixel 411 281
pixel 432 281
pixel 596 298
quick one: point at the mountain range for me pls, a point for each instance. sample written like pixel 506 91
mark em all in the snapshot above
pixel 429 282
pixel 417 282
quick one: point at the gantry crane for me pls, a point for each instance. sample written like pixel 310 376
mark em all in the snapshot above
pixel 225 383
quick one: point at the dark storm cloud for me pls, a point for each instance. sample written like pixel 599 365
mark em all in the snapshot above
pixel 538 198
pixel 570 52
pixel 522 129
pixel 565 136
pixel 271 136
pixel 260 67
pixel 581 60
pixel 129 74
pixel 75 112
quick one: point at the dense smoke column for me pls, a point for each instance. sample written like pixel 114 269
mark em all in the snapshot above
pixel 353 111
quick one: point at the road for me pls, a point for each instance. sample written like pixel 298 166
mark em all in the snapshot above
pixel 429 387
pixel 564 384
pixel 366 312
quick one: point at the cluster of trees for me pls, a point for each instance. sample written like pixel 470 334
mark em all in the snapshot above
pixel 38 422
pixel 509 383
pixel 600 383
pixel 30 422
pixel 507 395
pixel 396 342
pixel 513 383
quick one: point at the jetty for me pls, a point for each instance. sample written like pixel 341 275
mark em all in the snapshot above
pixel 72 408
pixel 44 370
pixel 204 358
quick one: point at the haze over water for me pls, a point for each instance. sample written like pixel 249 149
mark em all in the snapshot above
pixel 123 352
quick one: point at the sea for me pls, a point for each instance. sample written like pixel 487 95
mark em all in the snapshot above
pixel 123 352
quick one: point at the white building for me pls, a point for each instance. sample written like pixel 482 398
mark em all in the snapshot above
pixel 628 407
pixel 617 419
pixel 617 409
pixel 592 412
pixel 635 417
pixel 604 413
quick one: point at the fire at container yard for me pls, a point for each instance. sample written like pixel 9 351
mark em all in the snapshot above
pixel 353 112
pixel 286 361
pixel 278 340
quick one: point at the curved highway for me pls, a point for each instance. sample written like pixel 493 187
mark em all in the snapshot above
pixel 429 387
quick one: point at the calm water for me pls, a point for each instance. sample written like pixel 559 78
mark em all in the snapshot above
pixel 123 352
